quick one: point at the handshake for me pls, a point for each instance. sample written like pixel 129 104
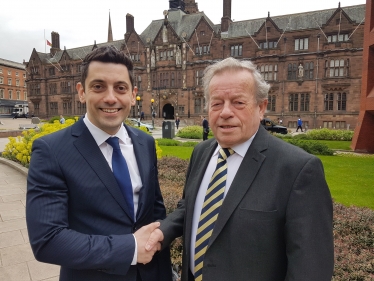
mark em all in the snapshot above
pixel 148 239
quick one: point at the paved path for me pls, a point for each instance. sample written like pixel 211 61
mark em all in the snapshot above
pixel 17 262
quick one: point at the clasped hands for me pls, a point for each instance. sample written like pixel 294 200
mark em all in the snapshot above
pixel 148 238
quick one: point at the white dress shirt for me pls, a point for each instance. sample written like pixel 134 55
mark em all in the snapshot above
pixel 127 150
pixel 233 164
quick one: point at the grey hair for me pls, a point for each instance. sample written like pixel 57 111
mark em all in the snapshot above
pixel 234 64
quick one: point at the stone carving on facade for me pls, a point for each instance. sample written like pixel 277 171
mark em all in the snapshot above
pixel 184 81
pixel 153 60
pixel 164 34
pixel 301 71
pixel 178 57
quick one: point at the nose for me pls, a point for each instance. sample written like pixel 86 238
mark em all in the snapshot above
pixel 110 96
pixel 226 111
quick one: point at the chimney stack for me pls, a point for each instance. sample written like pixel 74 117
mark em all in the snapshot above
pixel 226 19
pixel 129 23
pixel 55 43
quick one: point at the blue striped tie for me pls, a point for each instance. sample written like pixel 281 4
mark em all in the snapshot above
pixel 121 173
pixel 210 210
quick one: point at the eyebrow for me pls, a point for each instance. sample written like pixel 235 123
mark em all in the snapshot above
pixel 103 81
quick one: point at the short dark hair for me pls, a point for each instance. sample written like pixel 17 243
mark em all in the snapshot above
pixel 108 54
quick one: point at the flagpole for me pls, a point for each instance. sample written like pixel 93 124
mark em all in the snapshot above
pixel 45 43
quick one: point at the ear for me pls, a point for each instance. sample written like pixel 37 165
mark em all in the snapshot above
pixel 81 93
pixel 262 107
pixel 133 96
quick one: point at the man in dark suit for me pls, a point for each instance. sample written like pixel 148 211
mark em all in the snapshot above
pixel 77 215
pixel 205 125
pixel 274 221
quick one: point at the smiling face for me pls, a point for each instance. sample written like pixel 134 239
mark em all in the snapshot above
pixel 234 114
pixel 108 95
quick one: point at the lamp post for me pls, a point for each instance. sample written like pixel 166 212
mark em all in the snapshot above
pixel 138 100
pixel 153 114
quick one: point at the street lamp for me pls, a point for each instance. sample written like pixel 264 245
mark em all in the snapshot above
pixel 153 114
pixel 138 100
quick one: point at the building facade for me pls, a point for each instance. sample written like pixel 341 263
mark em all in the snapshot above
pixel 312 61
pixel 13 88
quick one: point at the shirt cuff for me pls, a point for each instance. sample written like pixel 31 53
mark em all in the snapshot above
pixel 134 260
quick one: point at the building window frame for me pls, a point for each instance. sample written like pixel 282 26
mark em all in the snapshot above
pixel 301 44
pixel 342 101
pixel 293 102
pixel 271 103
pixel 329 102
pixel 236 50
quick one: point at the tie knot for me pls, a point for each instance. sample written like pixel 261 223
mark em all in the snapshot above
pixel 225 152
pixel 113 142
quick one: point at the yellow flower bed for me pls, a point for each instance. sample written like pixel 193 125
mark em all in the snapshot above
pixel 19 148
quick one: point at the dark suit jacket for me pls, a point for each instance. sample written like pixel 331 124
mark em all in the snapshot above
pixel 76 215
pixel 275 222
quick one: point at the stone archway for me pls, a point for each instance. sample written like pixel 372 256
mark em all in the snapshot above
pixel 168 111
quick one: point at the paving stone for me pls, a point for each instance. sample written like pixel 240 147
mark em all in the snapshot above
pixel 16 254
pixel 43 271
pixel 13 197
pixel 13 214
pixel 11 238
pixel 25 235
pixel 12 225
pixel 17 272
pixel 7 206
pixel 11 191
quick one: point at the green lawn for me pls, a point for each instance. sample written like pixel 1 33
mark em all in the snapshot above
pixel 345 145
pixel 350 178
pixel 177 151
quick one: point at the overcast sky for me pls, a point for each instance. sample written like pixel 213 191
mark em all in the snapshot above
pixel 23 23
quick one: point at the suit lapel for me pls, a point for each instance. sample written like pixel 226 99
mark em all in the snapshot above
pixel 138 146
pixel 243 179
pixel 194 181
pixel 87 147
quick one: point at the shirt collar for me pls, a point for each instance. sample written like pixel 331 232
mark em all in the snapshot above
pixel 240 149
pixel 100 136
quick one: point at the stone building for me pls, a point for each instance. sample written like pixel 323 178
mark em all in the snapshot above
pixel 12 85
pixel 312 61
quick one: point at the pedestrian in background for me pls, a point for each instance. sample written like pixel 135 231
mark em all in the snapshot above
pixel 205 125
pixel 299 125
pixel 177 121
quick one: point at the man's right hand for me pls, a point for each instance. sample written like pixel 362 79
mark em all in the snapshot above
pixel 142 236
pixel 154 239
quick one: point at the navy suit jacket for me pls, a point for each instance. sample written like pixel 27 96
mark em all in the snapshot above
pixel 275 223
pixel 76 215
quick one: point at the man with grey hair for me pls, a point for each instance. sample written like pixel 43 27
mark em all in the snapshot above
pixel 254 207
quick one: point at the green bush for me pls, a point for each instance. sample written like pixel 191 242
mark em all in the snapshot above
pixel 172 142
pixel 192 132
pixel 327 134
pixel 312 147
pixel 168 142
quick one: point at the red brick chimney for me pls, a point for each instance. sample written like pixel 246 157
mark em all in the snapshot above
pixel 226 19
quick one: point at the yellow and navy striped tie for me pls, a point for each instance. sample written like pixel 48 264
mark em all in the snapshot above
pixel 210 210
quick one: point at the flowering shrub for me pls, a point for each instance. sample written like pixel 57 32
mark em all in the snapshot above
pixel 19 148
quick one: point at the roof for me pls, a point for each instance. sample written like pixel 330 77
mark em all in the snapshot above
pixel 293 22
pixel 12 64
pixel 186 23
pixel 180 22
pixel 76 53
